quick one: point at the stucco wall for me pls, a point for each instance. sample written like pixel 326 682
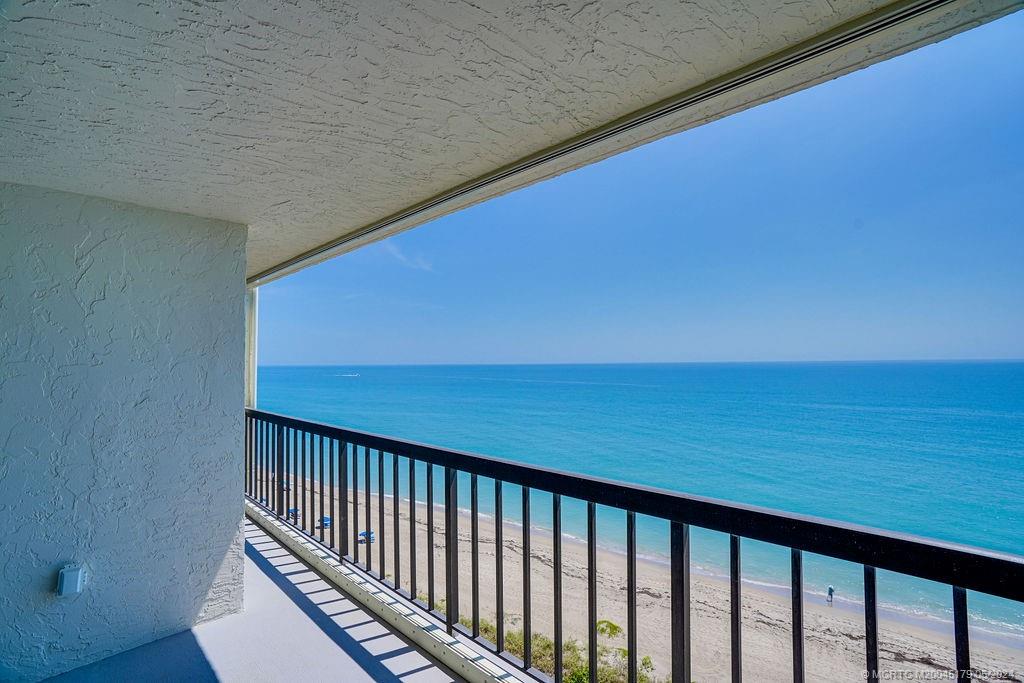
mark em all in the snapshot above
pixel 121 381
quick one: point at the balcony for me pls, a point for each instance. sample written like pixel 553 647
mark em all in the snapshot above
pixel 352 495
pixel 163 161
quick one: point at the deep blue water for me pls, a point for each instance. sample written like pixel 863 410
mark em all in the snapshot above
pixel 935 449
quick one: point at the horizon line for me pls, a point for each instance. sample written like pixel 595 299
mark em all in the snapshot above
pixel 1008 359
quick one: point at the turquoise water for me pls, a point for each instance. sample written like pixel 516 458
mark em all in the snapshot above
pixel 935 449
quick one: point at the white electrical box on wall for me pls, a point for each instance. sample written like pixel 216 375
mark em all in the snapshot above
pixel 70 580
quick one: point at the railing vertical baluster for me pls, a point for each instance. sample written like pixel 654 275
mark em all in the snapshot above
pixel 253 426
pixel 261 477
pixel 474 532
pixel 271 501
pixel 296 500
pixel 381 542
pixel 281 474
pixel 245 475
pixel 412 529
pixel 736 607
pixel 499 567
pixel 592 590
pixel 451 546
pixel 269 447
pixel 289 468
pixel 293 482
pixel 631 640
pixel 343 495
pixel 961 637
pixel 256 459
pixel 271 463
pixel 265 472
pixel 355 503
pixel 369 511
pixel 556 581
pixel 797 562
pixel 316 447
pixel 283 486
pixel 266 464
pixel 295 475
pixel 430 537
pixel 320 515
pixel 307 449
pixel 870 624
pixel 527 598
pixel 396 522
pixel 275 469
pixel 679 544
pixel 331 505
pixel 248 470
pixel 286 470
pixel 283 459
pixel 311 446
pixel 303 510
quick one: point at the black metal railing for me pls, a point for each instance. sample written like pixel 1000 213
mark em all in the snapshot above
pixel 290 464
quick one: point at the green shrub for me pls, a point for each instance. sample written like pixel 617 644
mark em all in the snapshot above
pixel 612 662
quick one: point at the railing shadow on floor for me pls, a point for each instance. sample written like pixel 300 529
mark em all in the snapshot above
pixel 372 664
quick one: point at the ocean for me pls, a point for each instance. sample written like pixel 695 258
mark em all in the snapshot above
pixel 929 448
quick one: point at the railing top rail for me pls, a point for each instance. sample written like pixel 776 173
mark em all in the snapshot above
pixel 988 571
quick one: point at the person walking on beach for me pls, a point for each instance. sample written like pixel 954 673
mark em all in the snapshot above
pixel 831 591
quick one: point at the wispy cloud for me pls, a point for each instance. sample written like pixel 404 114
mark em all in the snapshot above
pixel 416 262
pixel 282 290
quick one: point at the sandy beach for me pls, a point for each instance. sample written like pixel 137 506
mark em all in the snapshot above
pixel 834 636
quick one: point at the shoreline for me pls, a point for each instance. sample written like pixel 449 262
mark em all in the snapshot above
pixel 896 612
pixel 834 636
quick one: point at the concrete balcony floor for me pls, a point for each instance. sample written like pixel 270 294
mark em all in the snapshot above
pixel 295 626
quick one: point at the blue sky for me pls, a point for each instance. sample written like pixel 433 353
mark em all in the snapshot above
pixel 877 216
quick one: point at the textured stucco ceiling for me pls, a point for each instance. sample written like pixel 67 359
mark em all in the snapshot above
pixel 310 120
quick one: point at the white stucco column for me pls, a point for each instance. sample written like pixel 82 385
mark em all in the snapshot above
pixel 121 441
